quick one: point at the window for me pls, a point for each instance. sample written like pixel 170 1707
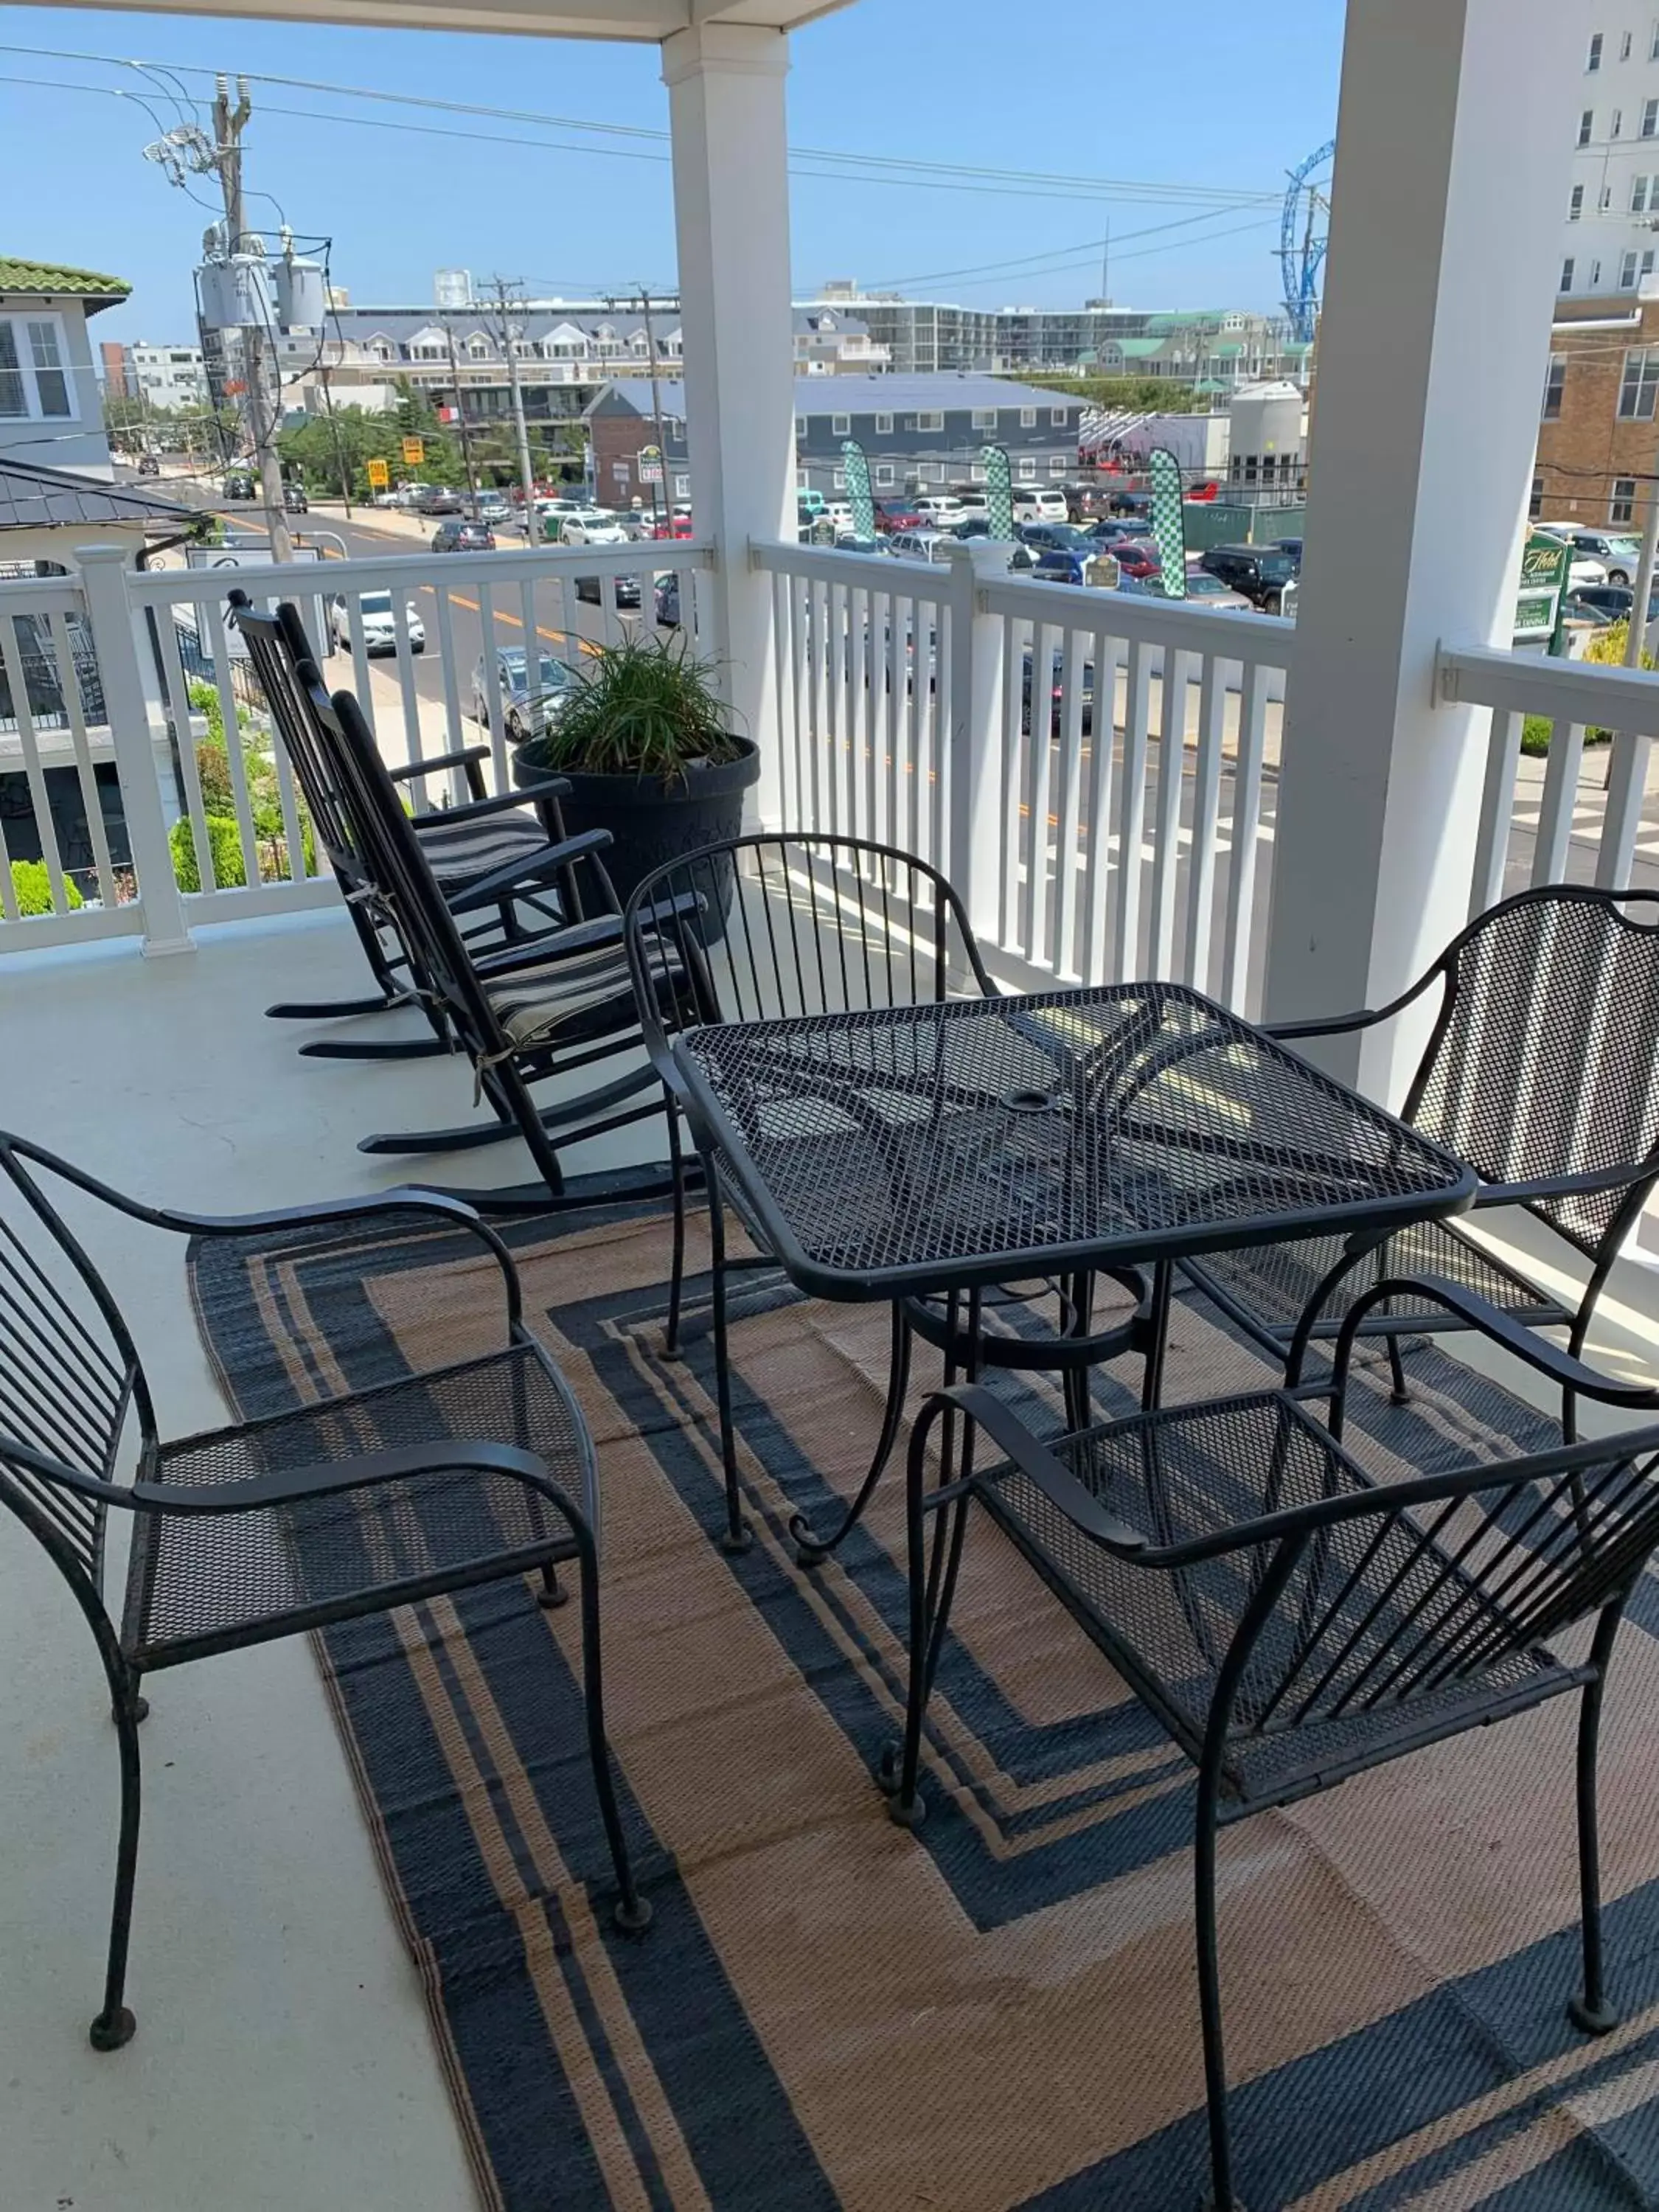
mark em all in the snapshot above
pixel 1027 469
pixel 1647 262
pixel 1057 464
pixel 1555 383
pixel 1593 61
pixel 1606 201
pixel 978 473
pixel 1639 195
pixel 1625 46
pixel 1586 126
pixel 1653 44
pixel 1028 418
pixel 1639 386
pixel 886 476
pixel 1649 117
pixel 985 418
pixel 1576 204
pixel 1566 274
pixel 841 426
pixel 1057 418
pixel 934 422
pixel 1535 500
pixel 841 480
pixel 1621 508
pixel 1595 274
pixel 1628 272
pixel 1615 123
pixel 34 378
pixel 884 426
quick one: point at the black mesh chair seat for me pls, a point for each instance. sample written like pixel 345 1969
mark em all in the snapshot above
pixel 197 1583
pixel 1272 1285
pixel 458 852
pixel 1193 1472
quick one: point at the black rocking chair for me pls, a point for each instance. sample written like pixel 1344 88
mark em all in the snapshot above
pixel 437 1481
pixel 1541 1070
pixel 1287 1620
pixel 481 853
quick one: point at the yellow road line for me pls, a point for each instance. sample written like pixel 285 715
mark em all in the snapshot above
pixel 553 636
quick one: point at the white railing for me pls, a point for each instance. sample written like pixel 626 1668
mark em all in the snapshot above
pixel 1017 733
pixel 181 827
pixel 1578 817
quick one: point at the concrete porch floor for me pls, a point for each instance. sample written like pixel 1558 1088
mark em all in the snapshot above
pixel 282 2062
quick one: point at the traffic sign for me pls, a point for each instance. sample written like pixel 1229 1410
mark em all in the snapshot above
pixel 379 476
pixel 414 453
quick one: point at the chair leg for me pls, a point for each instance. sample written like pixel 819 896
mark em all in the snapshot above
pixel 114 2025
pixel 552 1593
pixel 1400 1395
pixel 737 1535
pixel 810 1550
pixel 671 1343
pixel 1590 2011
pixel 1219 2196
pixel 632 1912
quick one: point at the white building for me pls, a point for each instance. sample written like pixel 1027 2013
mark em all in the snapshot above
pixel 167 375
pixel 1610 231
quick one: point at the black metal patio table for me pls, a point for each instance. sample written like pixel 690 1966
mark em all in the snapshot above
pixel 918 1152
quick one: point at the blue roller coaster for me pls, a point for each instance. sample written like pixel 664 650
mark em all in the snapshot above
pixel 1302 241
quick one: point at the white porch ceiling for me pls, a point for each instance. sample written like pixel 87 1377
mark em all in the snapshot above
pixel 643 20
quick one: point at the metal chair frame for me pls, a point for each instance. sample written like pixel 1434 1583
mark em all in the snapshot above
pixel 277 644
pixel 1403 1626
pixel 72 1399
pixel 1547 1194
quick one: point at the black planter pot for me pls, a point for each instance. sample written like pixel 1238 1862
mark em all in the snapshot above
pixel 651 819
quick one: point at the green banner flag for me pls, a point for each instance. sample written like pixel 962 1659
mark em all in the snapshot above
pixel 858 489
pixel 1169 521
pixel 999 492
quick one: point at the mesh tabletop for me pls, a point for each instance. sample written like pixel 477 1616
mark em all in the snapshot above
pixel 926 1147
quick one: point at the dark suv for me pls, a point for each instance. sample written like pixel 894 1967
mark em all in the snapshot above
pixel 463 538
pixel 1260 573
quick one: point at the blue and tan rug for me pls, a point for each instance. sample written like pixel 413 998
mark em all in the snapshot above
pixel 999 2011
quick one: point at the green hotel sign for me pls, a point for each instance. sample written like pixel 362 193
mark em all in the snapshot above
pixel 1543 579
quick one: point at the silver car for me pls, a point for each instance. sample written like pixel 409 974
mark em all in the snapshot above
pixel 529 705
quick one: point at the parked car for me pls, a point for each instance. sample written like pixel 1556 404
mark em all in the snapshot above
pixel 239 484
pixel 1202 590
pixel 379 626
pixel 1292 546
pixel 1055 538
pixel 676 526
pixel 1577 606
pixel 1584 569
pixel 437 499
pixel 919 545
pixel 1039 503
pixel 463 536
pixel 895 515
pixel 491 507
pixel 1115 527
pixel 1136 558
pixel 627 590
pixel 1259 573
pixel 295 500
pixel 527 706
pixel 939 510
pixel 1057 693
pixel 592 525
pixel 1059 564
pixel 667 599
pixel 409 496
pixel 149 465
pixel 1617 555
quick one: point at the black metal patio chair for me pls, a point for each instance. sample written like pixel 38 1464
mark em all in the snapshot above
pixel 545 1010
pixel 479 852
pixel 1541 1070
pixel 440 1480
pixel 1289 1621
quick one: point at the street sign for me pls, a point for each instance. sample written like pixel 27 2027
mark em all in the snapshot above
pixel 650 472
pixel 379 476
pixel 414 453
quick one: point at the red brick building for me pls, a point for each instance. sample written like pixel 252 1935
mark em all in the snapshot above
pixel 1598 436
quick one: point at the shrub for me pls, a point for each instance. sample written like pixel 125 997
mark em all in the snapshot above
pixel 225 848
pixel 32 886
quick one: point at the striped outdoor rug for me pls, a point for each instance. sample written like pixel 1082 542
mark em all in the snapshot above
pixel 1000 2010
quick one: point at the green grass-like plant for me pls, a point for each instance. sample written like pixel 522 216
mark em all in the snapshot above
pixel 642 708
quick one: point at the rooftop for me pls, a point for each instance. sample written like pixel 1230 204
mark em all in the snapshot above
pixel 46 279
pixel 34 498
pixel 863 395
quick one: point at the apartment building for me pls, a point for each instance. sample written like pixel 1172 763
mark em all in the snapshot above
pixel 166 375
pixel 1610 226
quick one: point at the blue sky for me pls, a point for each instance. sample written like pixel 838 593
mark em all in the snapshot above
pixel 1212 95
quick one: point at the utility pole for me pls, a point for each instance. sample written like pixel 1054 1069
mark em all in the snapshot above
pixel 341 470
pixel 526 473
pixel 460 418
pixel 228 124
pixel 661 483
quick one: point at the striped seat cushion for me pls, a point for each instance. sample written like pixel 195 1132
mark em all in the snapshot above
pixel 459 851
pixel 533 1003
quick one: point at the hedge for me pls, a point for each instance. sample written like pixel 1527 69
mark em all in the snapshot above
pixel 225 847
pixel 32 886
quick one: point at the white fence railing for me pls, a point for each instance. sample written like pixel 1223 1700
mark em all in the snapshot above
pixel 124 811
pixel 1578 818
pixel 1017 734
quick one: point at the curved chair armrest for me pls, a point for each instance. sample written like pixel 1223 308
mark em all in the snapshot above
pixel 1038 1464
pixel 1480 1313
pixel 518 875
pixel 462 757
pixel 1366 1017
pixel 293 1486
pixel 504 802
pixel 1593 1183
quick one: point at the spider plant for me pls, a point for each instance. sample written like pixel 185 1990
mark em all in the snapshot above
pixel 644 709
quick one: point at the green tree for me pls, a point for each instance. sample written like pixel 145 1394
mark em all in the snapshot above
pixel 1150 395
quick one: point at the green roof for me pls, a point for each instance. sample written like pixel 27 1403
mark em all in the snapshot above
pixel 1228 350
pixel 45 276
pixel 1139 349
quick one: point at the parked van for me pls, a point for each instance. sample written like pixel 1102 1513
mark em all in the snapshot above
pixel 1039 503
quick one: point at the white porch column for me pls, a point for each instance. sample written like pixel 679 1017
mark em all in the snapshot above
pixel 731 217
pixel 1453 164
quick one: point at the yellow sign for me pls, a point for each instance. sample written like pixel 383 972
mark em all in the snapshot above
pixel 414 453
pixel 378 477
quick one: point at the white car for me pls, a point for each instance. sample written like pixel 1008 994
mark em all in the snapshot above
pixel 1034 505
pixel 919 544
pixel 1618 553
pixel 939 510
pixel 559 505
pixel 380 624
pixel 593 525
pixel 840 512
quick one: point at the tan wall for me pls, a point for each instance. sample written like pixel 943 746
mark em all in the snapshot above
pixel 1580 454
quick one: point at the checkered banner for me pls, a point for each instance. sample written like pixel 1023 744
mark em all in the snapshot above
pixel 1169 521
pixel 999 492
pixel 857 488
